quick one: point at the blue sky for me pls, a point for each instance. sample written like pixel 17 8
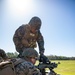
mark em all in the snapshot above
pixel 58 23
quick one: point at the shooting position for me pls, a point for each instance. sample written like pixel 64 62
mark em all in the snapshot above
pixel 28 36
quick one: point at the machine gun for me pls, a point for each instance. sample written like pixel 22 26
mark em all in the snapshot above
pixel 45 63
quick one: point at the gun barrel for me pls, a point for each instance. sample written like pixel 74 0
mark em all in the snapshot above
pixel 50 66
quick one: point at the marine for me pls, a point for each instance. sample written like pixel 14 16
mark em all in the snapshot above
pixel 26 67
pixel 28 35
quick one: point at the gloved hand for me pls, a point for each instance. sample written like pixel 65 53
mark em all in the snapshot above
pixel 44 59
pixel 41 52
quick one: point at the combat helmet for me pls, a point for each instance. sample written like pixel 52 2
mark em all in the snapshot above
pixel 29 52
pixel 35 22
pixel 3 54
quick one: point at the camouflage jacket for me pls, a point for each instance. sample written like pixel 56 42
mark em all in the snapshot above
pixel 26 68
pixel 23 38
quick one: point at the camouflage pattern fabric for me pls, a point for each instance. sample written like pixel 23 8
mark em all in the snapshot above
pixel 23 38
pixel 26 68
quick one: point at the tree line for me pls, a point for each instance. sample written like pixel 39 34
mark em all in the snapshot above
pixel 50 57
pixel 55 57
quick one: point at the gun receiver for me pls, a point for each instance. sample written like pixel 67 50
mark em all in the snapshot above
pixel 50 66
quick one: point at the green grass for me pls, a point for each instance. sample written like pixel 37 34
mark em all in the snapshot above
pixel 66 67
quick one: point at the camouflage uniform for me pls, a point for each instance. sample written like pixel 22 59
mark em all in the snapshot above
pixel 26 67
pixel 24 38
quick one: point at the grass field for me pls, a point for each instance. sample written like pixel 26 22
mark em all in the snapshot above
pixel 66 67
